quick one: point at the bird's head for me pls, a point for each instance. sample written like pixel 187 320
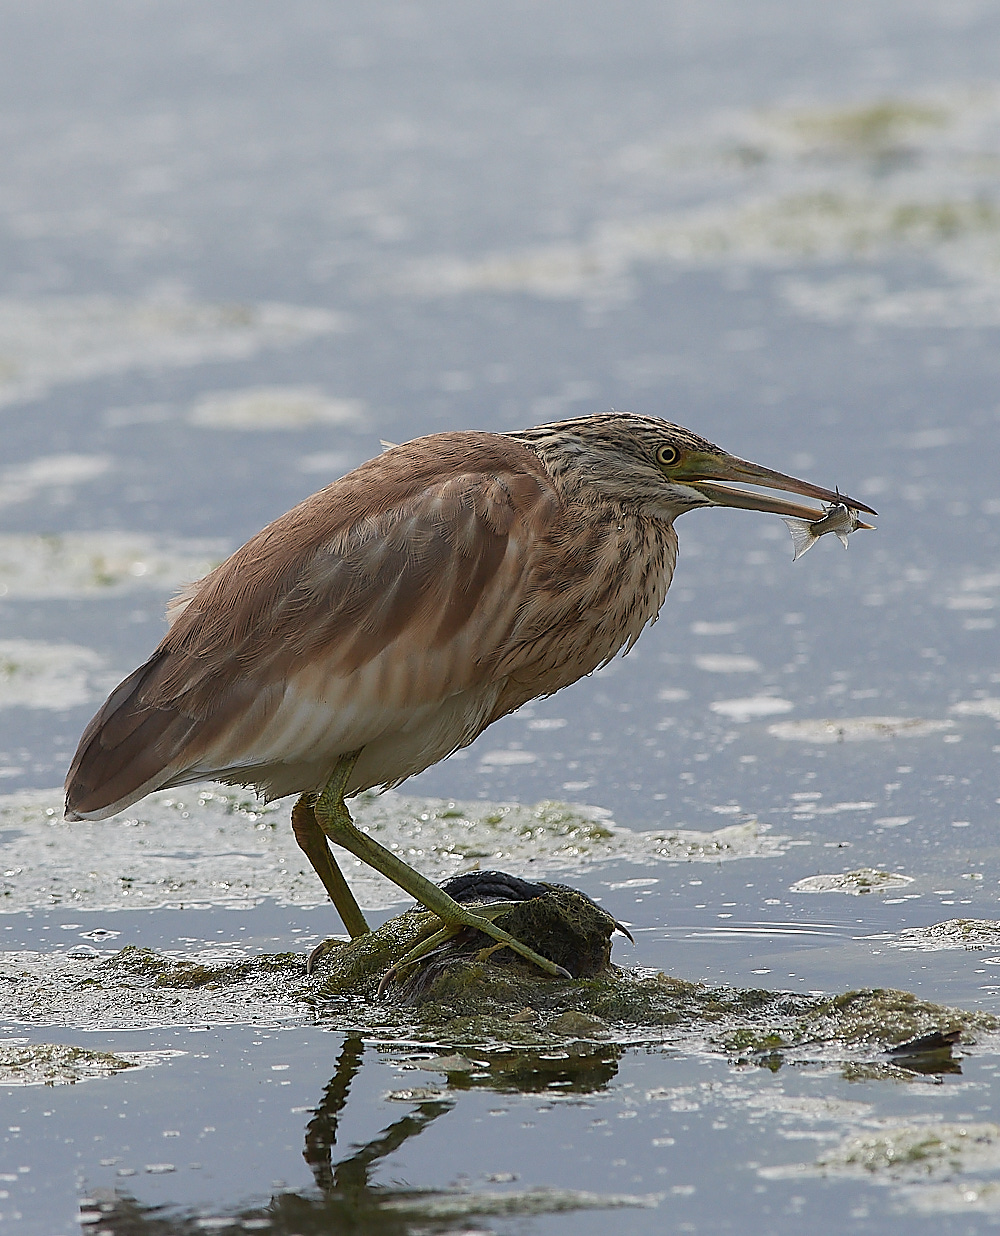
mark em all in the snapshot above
pixel 666 469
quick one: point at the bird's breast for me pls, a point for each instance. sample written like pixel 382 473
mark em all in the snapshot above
pixel 590 604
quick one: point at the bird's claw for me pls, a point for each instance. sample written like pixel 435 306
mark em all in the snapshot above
pixel 484 914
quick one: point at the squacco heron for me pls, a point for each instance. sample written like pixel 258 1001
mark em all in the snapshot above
pixel 386 621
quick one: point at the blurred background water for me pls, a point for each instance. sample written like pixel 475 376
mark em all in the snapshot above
pixel 242 243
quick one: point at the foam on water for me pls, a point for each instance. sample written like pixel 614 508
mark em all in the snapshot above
pixel 883 178
pixel 751 707
pixel 51 476
pixel 100 564
pixel 273 407
pixel 727 663
pixel 988 706
pixel 864 880
pixel 213 847
pixel 48 341
pixel 55 1064
pixel 857 729
pixel 36 674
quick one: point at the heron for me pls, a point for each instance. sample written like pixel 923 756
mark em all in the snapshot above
pixel 387 620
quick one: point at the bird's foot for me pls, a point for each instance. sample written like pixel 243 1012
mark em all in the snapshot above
pixel 480 920
pixel 420 950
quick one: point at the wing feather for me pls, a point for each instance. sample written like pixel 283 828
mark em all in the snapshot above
pixel 420 556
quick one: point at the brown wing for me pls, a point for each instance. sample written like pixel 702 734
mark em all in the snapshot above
pixel 401 554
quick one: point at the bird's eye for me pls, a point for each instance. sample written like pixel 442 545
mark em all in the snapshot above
pixel 667 455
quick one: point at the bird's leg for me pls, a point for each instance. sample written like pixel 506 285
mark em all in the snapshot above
pixel 335 820
pixel 312 842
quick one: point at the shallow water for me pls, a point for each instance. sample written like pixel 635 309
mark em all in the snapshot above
pixel 237 252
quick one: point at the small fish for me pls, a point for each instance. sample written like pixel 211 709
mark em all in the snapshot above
pixel 839 519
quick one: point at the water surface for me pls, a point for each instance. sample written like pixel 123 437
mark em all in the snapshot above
pixel 237 251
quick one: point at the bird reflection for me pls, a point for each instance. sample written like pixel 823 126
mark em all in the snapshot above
pixel 350 1177
pixel 348 1200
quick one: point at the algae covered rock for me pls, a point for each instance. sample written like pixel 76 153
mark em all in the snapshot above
pixel 562 923
pixel 467 991
pixel 464 996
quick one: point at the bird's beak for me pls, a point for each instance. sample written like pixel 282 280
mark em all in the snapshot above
pixel 703 472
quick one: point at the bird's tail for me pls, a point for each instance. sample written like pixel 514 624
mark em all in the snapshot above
pixel 127 749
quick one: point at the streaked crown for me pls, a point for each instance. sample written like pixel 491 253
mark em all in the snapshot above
pixel 621 455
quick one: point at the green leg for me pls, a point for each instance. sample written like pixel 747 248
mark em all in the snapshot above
pixel 335 820
pixel 313 844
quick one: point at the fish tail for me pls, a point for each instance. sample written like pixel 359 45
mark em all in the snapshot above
pixel 803 537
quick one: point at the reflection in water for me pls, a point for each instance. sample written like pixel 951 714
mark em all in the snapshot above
pixel 348 1181
pixel 347 1199
pixel 321 1131
pixel 580 1068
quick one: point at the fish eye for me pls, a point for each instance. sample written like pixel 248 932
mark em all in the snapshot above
pixel 667 455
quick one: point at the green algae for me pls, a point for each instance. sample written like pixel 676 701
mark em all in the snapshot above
pixel 357 966
pixel 856 729
pixel 878 128
pixel 60 1064
pixel 469 996
pixel 51 341
pixel 139 988
pixel 930 1165
pixel 493 1009
pixel 884 1017
pixel 856 883
pixel 465 997
pixel 139 964
pixel 461 973
pixel 910 1152
pixel 446 1004
pixel 955 933
pixel 197 848
pixel 76 564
